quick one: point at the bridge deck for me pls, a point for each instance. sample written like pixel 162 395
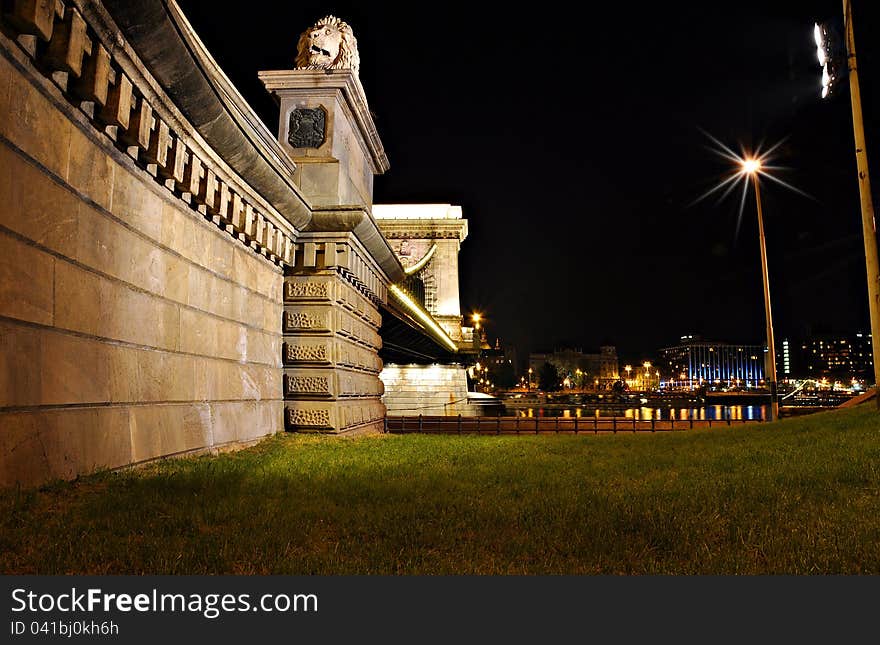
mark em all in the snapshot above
pixel 547 425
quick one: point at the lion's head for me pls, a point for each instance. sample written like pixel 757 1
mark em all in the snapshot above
pixel 329 44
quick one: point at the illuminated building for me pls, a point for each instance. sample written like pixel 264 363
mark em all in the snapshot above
pixel 836 355
pixel 694 363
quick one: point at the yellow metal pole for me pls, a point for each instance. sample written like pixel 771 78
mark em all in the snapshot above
pixel 771 346
pixel 869 226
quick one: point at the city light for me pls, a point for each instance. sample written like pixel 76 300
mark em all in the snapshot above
pixel 751 166
pixel 747 166
pixel 830 62
pixel 819 37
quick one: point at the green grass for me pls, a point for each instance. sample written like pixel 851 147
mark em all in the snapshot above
pixel 800 496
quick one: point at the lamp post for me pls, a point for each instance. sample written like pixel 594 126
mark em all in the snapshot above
pixel 530 380
pixel 826 50
pixel 869 224
pixel 751 168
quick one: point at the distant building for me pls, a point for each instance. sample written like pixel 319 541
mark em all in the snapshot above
pixel 580 367
pixel 695 362
pixel 785 359
pixel 496 355
pixel 838 356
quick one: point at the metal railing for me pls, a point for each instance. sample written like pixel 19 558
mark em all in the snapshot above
pixel 548 425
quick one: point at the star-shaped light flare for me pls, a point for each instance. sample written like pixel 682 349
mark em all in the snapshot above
pixel 748 166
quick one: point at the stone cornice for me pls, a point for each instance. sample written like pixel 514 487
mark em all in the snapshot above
pixel 357 220
pixel 423 228
pixel 164 42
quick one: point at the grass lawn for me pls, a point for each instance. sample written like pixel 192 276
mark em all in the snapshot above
pixel 799 496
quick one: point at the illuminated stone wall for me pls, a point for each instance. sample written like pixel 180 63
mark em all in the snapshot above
pixel 140 278
pixel 426 389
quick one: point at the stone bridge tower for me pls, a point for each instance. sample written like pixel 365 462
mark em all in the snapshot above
pixel 426 239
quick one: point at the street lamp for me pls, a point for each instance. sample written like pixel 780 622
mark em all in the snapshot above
pixel 752 168
pixel 530 380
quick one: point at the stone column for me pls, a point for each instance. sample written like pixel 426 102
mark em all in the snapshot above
pixel 326 128
pixel 331 336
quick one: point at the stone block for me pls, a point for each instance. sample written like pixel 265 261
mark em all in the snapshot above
pixel 146 266
pixel 163 376
pixel 102 244
pixel 176 279
pixel 161 430
pixel 82 441
pixel 198 294
pixel 308 320
pixel 90 169
pixel 220 297
pixel 319 180
pixel 7 112
pixel 78 305
pixel 122 371
pixel 26 278
pixel 262 347
pixel 252 308
pixel 135 203
pixel 232 340
pixel 310 416
pixel 23 457
pixel 35 206
pixel 37 126
pixel 198 333
pixel 183 232
pixel 232 421
pixel 73 370
pixel 269 281
pixel 308 351
pixel 244 267
pixel 270 419
pixel 272 314
pixel 222 254
pixel 204 378
pixel 238 307
pixel 20 362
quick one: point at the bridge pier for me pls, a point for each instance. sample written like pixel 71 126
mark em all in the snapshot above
pixel 331 337
pixel 342 266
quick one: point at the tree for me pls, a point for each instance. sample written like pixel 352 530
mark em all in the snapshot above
pixel 548 378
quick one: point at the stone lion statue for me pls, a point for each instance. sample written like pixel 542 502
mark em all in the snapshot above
pixel 328 44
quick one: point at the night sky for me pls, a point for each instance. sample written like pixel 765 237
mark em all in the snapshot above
pixel 574 145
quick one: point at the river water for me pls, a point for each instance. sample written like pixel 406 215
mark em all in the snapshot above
pixel 643 413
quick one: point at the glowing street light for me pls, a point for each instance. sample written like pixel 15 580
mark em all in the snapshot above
pixel 827 60
pixel 751 166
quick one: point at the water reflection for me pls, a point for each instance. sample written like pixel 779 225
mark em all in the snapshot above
pixel 697 413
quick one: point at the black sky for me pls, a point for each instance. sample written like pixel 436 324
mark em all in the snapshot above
pixel 573 143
